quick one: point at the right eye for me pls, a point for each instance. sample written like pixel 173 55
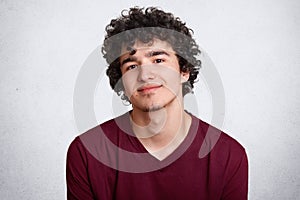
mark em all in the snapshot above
pixel 130 67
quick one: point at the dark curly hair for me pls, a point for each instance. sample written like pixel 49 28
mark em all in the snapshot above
pixel 145 25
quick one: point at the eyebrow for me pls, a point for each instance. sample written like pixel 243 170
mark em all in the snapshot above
pixel 156 53
pixel 129 59
pixel 149 54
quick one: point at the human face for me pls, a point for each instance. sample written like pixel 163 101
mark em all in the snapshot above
pixel 151 75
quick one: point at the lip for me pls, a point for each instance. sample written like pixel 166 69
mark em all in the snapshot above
pixel 148 88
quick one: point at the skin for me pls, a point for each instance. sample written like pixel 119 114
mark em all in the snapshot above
pixel 153 82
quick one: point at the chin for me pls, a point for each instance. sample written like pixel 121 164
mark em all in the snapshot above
pixel 153 105
pixel 152 108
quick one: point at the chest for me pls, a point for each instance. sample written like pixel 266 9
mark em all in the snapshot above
pixel 189 181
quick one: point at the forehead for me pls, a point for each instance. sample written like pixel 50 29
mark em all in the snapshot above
pixel 154 44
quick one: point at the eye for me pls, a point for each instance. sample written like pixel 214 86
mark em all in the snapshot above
pixel 158 60
pixel 130 67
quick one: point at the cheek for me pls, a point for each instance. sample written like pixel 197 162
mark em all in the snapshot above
pixel 172 79
pixel 129 82
pixel 168 73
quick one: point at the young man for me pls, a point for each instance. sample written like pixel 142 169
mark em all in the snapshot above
pixel 153 151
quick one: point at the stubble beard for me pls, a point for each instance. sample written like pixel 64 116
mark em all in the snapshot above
pixel 152 108
pixel 155 107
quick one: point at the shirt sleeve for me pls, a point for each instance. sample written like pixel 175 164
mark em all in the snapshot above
pixel 78 186
pixel 237 185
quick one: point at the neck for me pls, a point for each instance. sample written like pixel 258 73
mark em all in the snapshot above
pixel 157 129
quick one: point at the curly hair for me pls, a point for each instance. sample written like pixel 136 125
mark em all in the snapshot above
pixel 145 25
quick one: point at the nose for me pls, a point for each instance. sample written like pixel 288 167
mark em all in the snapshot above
pixel 145 73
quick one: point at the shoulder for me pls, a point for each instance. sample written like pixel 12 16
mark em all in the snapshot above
pixel 219 143
pixel 101 139
pixel 227 160
pixel 76 151
pixel 109 129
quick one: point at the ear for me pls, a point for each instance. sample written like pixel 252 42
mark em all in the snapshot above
pixel 185 76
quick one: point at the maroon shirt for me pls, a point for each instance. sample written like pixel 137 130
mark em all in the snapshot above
pixel 108 162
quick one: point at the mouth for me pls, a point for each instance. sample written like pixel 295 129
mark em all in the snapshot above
pixel 148 88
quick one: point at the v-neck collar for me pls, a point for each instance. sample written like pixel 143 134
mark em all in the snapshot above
pixel 176 154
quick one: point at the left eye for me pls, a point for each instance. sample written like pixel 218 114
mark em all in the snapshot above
pixel 158 61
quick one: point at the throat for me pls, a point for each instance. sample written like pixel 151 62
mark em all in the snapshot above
pixel 162 135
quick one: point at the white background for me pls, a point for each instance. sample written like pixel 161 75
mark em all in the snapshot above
pixel 43 44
